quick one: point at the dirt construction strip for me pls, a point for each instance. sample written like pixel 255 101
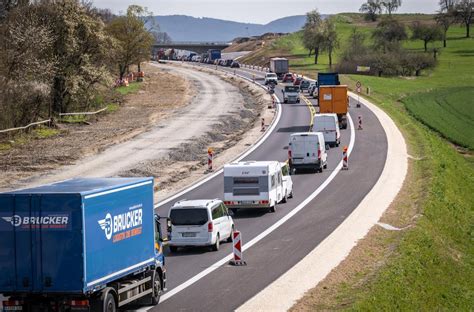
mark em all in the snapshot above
pixel 215 101
pixel 283 293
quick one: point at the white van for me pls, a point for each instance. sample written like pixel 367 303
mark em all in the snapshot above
pixel 328 124
pixel 307 150
pixel 253 184
pixel 199 223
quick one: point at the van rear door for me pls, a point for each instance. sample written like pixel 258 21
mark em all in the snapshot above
pixel 189 225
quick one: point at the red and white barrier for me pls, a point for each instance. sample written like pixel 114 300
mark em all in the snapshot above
pixel 263 124
pixel 237 249
pixel 345 159
pixel 210 155
pixel 360 123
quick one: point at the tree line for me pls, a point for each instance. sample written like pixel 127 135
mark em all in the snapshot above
pixel 385 55
pixel 59 56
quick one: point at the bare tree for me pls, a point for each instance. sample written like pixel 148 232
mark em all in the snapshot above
pixel 391 5
pixel 312 33
pixel 371 8
pixel 331 39
pixel 463 13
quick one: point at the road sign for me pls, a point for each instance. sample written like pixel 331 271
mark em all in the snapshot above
pixel 358 84
pixel 363 69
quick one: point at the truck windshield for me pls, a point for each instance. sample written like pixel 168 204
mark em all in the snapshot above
pixel 291 89
pixel 190 216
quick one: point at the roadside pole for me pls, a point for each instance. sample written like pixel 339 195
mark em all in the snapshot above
pixel 358 85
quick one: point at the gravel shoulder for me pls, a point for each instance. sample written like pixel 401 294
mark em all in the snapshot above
pixel 163 131
pixel 160 97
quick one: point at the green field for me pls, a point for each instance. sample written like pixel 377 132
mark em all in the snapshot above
pixel 431 265
pixel 448 110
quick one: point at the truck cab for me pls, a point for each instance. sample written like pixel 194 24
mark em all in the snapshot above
pixel 291 94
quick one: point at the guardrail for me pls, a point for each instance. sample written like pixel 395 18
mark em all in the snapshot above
pixel 25 127
pixel 83 113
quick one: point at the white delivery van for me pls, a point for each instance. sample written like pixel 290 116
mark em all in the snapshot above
pixel 200 222
pixel 328 124
pixel 307 150
pixel 253 184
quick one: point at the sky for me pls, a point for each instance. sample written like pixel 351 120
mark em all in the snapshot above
pixel 255 11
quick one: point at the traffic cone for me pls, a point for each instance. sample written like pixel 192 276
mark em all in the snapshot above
pixel 345 159
pixel 210 155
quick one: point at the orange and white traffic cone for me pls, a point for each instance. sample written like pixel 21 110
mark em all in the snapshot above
pixel 210 155
pixel 360 123
pixel 345 159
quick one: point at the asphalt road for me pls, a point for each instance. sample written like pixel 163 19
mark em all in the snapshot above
pixel 227 287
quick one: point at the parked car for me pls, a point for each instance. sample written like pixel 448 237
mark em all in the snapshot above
pixel 328 124
pixel 297 81
pixel 307 150
pixel 288 77
pixel 304 85
pixel 235 64
pixel 201 222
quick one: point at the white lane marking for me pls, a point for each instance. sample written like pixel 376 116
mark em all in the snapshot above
pixel 265 233
pixel 315 266
pixel 245 154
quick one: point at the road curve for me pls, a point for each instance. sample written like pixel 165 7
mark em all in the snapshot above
pixel 229 287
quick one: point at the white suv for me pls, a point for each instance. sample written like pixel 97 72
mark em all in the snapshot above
pixel 271 78
pixel 203 222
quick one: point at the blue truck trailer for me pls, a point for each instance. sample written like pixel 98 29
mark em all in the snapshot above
pixel 328 79
pixel 81 245
pixel 214 54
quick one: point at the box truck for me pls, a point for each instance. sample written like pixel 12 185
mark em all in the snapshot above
pixel 213 54
pixel 279 66
pixel 334 100
pixel 81 245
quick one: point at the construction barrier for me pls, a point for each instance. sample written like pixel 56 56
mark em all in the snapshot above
pixel 210 155
pixel 345 159
pixel 237 250
pixel 360 123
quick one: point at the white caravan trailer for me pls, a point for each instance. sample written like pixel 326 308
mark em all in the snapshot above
pixel 253 184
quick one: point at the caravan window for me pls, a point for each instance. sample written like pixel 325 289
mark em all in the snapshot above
pixel 279 178
pixel 273 181
pixel 246 180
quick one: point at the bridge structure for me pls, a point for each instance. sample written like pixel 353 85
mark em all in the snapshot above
pixel 198 47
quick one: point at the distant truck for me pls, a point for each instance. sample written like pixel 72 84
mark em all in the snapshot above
pixel 332 97
pixel 291 94
pixel 214 54
pixel 81 245
pixel 279 66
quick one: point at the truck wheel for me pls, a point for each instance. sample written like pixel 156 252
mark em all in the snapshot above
pixel 156 294
pixel 291 194
pixel 272 209
pixel 173 248
pixel 109 303
pixel 325 165
pixel 216 246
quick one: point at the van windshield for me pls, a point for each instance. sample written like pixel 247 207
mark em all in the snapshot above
pixel 190 216
pixel 291 89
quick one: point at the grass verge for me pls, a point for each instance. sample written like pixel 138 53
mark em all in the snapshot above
pixel 133 87
pixel 430 264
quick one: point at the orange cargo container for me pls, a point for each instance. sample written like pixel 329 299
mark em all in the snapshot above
pixel 333 99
